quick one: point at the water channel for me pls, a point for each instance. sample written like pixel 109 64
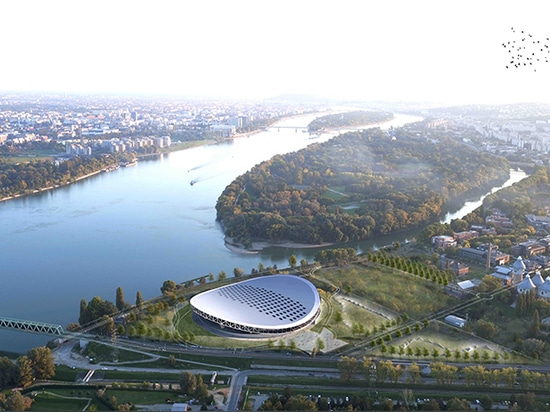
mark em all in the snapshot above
pixel 135 228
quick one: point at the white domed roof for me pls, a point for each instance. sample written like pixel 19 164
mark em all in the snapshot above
pixel 267 304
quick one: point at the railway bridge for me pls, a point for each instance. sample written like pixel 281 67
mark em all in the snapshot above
pixel 31 326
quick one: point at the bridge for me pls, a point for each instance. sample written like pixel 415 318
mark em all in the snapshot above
pixel 296 128
pixel 31 326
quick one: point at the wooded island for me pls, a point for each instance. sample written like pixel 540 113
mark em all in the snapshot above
pixel 357 185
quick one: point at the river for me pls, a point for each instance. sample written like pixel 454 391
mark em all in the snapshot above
pixel 471 205
pixel 135 228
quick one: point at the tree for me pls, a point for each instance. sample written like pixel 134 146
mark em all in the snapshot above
pixel 119 302
pixel 534 329
pixel 139 300
pixel 456 404
pixel 188 383
pixel 201 390
pixel 485 329
pixel 534 347
pixel 415 373
pixel 42 362
pixel 26 374
pixel 300 403
pixel 459 225
pixel 107 325
pixel 319 345
pixel 169 286
pixel 82 319
pixel 292 260
pixel 8 372
pixel 486 402
pixel 443 372
pixel 431 405
pixel 527 401
pixel 221 276
pixel 348 367
pixel 238 272
pixel 96 309
pixel 18 402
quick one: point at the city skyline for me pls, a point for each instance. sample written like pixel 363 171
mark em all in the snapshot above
pixel 448 51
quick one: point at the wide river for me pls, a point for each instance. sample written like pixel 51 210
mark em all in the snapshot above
pixel 134 227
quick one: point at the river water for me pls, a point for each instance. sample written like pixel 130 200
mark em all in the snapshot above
pixel 471 205
pixel 135 228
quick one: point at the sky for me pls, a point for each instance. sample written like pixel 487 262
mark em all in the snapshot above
pixel 446 51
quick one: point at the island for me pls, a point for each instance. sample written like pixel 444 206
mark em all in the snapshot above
pixel 357 185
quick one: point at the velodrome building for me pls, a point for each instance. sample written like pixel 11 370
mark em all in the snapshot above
pixel 267 305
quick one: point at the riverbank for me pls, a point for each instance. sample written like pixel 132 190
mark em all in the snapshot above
pixel 174 148
pixel 45 189
pixel 259 245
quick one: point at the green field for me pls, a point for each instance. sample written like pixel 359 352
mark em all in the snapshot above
pixel 397 292
pixel 56 399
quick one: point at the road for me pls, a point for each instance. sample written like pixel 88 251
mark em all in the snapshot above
pixel 65 354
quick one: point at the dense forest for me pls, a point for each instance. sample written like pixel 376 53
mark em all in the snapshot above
pixel 531 195
pixel 357 185
pixel 350 119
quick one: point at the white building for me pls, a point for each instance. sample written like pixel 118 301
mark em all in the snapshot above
pixel 455 321
pixel 268 305
pixel 526 285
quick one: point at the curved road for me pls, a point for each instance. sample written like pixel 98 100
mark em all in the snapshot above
pixel 64 354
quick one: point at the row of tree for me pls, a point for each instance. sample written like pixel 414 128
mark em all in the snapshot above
pixel 412 266
pixel 104 311
pixel 382 371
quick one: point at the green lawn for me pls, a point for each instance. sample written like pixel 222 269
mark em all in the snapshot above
pixel 64 400
pixel 103 353
pixel 30 156
pixel 398 292
pixel 186 325
pixel 76 399
pixel 141 397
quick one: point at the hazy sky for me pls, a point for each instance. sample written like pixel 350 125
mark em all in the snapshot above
pixel 410 50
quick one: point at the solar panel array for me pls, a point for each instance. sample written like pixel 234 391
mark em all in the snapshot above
pixel 265 301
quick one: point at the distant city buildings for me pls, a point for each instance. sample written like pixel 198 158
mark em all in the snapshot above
pixel 91 124
pixel 501 129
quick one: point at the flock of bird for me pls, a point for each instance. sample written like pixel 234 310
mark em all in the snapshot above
pixel 526 51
